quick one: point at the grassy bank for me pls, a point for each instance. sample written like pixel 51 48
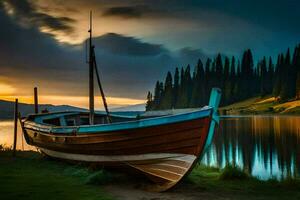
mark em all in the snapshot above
pixel 259 105
pixel 31 176
pixel 233 183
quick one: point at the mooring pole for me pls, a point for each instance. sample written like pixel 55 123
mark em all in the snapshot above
pixel 20 120
pixel 15 127
pixel 36 103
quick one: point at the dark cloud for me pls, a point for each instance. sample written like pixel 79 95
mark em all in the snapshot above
pixel 26 13
pixel 125 11
pixel 124 45
pixel 280 15
pixel 129 67
pixel 31 57
pixel 230 26
pixel 134 11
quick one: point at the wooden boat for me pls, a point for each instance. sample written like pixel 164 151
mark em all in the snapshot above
pixel 165 148
pixel 163 145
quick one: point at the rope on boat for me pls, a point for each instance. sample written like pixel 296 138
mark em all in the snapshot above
pixel 100 86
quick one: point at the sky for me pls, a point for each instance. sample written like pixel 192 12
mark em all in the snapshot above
pixel 137 42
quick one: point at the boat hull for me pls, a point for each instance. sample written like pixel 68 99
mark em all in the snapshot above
pixel 165 153
pixel 165 169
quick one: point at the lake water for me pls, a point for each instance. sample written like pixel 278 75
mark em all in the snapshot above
pixel 7 136
pixel 266 146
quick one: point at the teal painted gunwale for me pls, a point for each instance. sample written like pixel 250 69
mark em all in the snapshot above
pixel 90 129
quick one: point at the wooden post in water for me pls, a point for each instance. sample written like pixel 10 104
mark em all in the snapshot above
pixel 36 103
pixel 15 127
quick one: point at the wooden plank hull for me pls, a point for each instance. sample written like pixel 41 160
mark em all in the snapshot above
pixel 164 148
pixel 165 153
pixel 166 170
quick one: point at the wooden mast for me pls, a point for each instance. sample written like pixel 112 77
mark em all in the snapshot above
pixel 92 65
pixel 91 76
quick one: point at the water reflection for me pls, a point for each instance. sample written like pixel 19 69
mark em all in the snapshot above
pixel 265 146
pixel 7 136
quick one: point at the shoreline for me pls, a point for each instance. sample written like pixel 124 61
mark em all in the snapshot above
pixel 19 177
pixel 262 106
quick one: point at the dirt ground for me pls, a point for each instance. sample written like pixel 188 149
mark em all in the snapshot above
pixel 184 191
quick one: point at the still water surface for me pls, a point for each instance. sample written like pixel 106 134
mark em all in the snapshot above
pixel 7 136
pixel 266 146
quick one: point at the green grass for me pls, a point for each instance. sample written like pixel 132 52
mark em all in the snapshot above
pixel 100 178
pixel 233 173
pixel 258 105
pixel 29 176
pixel 295 110
pixel 233 183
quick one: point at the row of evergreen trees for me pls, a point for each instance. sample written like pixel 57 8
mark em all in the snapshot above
pixel 238 80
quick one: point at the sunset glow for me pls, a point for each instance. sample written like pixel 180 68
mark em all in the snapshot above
pixel 78 101
pixel 6 89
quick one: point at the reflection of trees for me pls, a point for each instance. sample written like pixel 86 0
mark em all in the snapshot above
pixel 273 141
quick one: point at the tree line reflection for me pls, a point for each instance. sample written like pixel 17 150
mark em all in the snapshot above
pixel 264 146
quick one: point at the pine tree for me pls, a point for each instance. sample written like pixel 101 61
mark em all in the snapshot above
pixel 226 85
pixel 237 86
pixel 181 93
pixel 166 101
pixel 149 101
pixel 256 80
pixel 188 87
pixel 198 93
pixel 288 77
pixel 278 76
pixel 157 95
pixel 292 74
pixel 246 75
pixel 270 77
pixel 161 90
pixel 263 77
pixel 219 71
pixel 232 67
pixel 175 88
pixel 207 79
pixel 232 79
pixel 297 66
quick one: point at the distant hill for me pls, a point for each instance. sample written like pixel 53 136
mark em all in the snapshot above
pixel 7 108
pixel 137 107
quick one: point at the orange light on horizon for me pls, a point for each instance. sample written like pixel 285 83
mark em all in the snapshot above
pixel 78 101
pixel 6 89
